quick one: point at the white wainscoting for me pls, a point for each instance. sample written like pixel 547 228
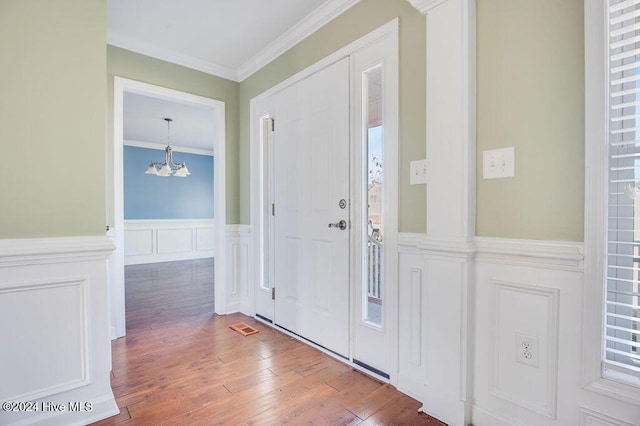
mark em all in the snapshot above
pixel 239 297
pixel 591 418
pixel 151 241
pixel 531 288
pixel 433 353
pixel 55 329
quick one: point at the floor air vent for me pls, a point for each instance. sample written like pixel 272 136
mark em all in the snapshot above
pixel 243 329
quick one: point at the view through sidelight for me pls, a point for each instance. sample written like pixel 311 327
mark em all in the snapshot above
pixel 373 288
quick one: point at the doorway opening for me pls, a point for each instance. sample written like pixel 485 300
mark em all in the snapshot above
pixel 174 239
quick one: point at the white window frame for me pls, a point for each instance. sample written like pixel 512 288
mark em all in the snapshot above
pixel 595 13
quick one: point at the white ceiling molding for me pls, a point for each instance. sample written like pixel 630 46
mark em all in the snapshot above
pixel 425 5
pixel 172 56
pixel 161 147
pixel 303 29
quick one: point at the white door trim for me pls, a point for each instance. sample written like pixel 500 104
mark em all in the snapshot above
pixel 116 284
pixel 260 107
pixel 374 35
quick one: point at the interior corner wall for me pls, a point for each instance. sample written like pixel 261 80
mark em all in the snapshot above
pixel 530 95
pixel 356 22
pixel 52 113
pixel 134 66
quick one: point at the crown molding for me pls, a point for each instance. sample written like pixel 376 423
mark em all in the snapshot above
pixel 172 56
pixel 303 29
pixel 425 5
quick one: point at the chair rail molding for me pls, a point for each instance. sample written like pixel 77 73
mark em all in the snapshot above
pixel 561 255
pixel 33 251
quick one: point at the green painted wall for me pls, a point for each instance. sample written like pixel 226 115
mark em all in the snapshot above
pixel 127 64
pixel 52 118
pixel 52 112
pixel 358 21
pixel 531 96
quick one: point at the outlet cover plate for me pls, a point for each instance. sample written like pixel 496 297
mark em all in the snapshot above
pixel 498 163
pixel 418 170
pixel 527 349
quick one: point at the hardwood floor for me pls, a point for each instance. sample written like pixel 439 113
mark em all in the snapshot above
pixel 182 365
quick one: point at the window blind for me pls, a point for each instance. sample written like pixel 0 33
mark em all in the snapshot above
pixel 621 357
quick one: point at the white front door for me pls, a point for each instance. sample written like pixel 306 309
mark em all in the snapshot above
pixel 311 194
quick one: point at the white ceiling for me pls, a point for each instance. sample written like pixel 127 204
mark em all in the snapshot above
pixel 192 125
pixel 228 38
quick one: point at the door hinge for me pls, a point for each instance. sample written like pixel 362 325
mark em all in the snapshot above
pixel 273 124
pixel 273 209
pixel 273 293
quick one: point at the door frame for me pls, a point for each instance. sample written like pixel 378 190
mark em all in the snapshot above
pixel 261 106
pixel 116 267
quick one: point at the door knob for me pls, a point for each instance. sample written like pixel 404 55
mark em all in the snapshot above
pixel 342 225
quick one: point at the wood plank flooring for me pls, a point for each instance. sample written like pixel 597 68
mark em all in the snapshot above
pixel 182 365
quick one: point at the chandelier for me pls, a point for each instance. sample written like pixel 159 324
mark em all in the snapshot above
pixel 168 167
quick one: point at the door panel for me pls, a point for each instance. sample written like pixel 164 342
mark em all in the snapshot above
pixel 375 202
pixel 311 162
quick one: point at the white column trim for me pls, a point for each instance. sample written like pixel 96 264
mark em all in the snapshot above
pixel 451 165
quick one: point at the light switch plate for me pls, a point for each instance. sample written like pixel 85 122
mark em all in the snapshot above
pixel 418 170
pixel 498 163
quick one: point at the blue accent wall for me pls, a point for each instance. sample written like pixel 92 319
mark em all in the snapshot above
pixel 155 197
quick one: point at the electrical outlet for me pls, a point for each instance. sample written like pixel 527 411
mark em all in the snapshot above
pixel 418 170
pixel 527 349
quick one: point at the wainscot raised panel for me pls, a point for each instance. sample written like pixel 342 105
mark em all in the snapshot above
pixel 205 238
pixel 238 241
pixel 534 289
pixel 434 278
pixel 526 345
pixel 151 241
pixel 592 418
pixel 175 240
pixel 56 348
pixel 412 371
pixel 65 331
pixel 531 291
pixel 139 242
